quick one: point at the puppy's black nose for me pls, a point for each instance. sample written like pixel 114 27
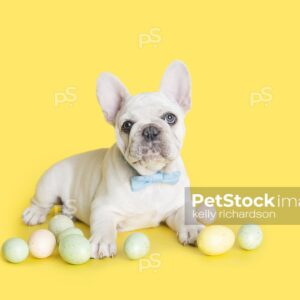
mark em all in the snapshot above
pixel 151 133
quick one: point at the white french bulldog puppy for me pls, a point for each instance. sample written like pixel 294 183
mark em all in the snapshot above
pixel 140 181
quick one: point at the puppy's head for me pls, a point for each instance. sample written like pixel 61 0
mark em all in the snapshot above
pixel 149 126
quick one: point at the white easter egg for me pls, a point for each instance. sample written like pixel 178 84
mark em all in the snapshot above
pixel 42 243
pixel 215 240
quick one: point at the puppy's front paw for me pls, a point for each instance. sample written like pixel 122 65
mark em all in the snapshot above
pixel 102 248
pixel 34 215
pixel 188 234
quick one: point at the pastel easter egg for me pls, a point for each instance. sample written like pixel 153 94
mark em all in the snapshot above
pixel 215 240
pixel 59 223
pixel 15 250
pixel 42 243
pixel 75 249
pixel 205 214
pixel 69 231
pixel 250 236
pixel 136 246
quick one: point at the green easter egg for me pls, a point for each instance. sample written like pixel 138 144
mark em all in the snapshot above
pixel 250 237
pixel 59 223
pixel 15 250
pixel 69 231
pixel 75 249
pixel 136 246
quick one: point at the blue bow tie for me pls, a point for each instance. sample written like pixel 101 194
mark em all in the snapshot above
pixel 140 182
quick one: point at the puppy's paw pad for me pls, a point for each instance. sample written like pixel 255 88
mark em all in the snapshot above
pixel 34 215
pixel 103 249
pixel 188 234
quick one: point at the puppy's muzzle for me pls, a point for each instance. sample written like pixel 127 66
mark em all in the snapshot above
pixel 151 133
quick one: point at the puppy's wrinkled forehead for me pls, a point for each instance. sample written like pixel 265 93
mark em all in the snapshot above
pixel 174 96
pixel 147 106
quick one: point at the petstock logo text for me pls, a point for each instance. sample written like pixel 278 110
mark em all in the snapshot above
pixel 240 205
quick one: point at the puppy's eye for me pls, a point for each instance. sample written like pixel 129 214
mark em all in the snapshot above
pixel 126 127
pixel 170 118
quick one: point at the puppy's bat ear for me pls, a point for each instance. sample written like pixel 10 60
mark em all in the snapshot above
pixel 110 93
pixel 176 84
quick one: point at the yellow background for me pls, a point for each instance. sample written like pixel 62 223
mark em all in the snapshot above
pixel 233 49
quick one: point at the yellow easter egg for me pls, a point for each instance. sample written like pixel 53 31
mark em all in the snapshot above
pixel 215 240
